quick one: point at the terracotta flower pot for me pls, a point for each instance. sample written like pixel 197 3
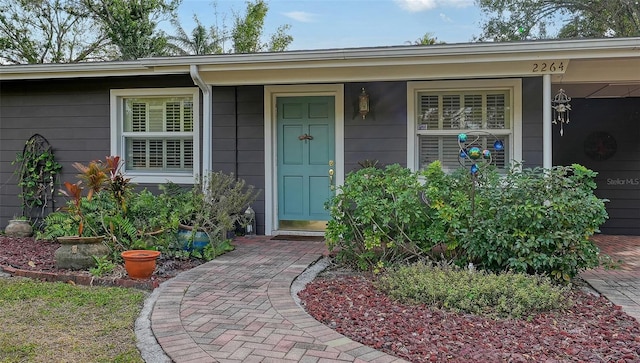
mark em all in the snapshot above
pixel 140 264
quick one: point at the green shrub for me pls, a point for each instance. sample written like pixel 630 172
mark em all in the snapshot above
pixel 533 220
pixel 378 216
pixel 506 295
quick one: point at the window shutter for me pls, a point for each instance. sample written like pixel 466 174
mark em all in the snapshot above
pixel 172 113
pixel 156 115
pixel 472 112
pixel 138 121
pixel 173 154
pixel 155 153
pixel 187 118
pixel 187 153
pixel 496 111
pixel 451 112
pixel 429 113
pixel 137 154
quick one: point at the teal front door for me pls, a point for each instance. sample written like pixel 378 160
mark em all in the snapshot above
pixel 306 154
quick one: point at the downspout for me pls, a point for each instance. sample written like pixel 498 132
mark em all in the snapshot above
pixel 207 102
pixel 547 159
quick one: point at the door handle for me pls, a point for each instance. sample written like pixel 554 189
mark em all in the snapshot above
pixel 331 172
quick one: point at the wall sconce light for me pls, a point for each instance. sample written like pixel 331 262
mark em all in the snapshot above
pixel 363 104
pixel 561 108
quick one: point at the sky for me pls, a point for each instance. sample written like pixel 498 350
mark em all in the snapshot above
pixel 329 24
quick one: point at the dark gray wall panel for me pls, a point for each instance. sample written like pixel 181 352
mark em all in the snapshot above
pixel 619 176
pixel 382 135
pixel 238 138
pixel 532 122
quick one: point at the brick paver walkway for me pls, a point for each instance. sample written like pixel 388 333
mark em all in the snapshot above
pixel 238 308
pixel 620 285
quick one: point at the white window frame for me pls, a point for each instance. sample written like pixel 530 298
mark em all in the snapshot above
pixel 513 86
pixel 117 126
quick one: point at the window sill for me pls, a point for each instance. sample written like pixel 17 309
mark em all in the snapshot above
pixel 140 178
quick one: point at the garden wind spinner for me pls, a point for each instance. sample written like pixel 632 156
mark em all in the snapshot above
pixel 472 150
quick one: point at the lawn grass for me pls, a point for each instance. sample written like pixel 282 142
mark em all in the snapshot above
pixel 57 322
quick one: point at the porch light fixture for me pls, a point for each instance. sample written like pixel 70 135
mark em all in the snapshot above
pixel 363 104
pixel 561 107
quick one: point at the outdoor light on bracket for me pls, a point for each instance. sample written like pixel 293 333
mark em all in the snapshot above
pixel 363 104
pixel 561 107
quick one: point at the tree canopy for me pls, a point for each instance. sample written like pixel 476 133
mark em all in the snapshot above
pixel 533 19
pixel 70 31
pixel 51 31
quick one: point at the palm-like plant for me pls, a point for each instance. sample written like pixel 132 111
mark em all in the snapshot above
pixel 201 40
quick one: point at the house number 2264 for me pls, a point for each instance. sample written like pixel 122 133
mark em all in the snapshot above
pixel 545 67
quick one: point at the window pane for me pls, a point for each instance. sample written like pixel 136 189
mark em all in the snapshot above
pixel 187 154
pixel 451 112
pixel 496 111
pixel 188 116
pixel 155 154
pixel 173 116
pixel 443 148
pixel 472 112
pixel 428 112
pixel 136 116
pixel 136 151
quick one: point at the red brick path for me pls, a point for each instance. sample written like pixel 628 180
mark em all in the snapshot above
pixel 238 308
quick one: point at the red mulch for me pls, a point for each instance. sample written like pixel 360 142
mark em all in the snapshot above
pixel 593 330
pixel 37 259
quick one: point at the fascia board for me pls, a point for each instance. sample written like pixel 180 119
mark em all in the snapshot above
pixel 583 48
pixel 49 71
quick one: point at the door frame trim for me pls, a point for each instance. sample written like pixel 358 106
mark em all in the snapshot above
pixel 271 93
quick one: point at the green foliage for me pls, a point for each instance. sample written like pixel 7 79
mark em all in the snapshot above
pixel 532 221
pixel 48 31
pixel 378 216
pixel 507 295
pixel 246 33
pixel 37 175
pixel 131 25
pixel 103 266
pixel 507 20
pixel 143 220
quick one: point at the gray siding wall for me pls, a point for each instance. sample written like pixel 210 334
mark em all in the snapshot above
pixel 382 135
pixel 532 122
pixel 619 176
pixel 238 138
pixel 72 114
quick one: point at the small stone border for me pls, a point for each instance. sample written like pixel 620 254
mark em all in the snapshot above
pixel 82 280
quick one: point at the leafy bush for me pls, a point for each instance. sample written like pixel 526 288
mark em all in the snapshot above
pixel 378 216
pixel 529 220
pixel 506 295
pixel 533 220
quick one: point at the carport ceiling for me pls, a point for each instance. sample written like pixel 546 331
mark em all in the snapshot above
pixel 599 90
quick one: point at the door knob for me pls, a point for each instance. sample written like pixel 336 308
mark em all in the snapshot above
pixel 331 176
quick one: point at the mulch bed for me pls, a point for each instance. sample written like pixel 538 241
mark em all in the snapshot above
pixel 592 330
pixel 27 257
